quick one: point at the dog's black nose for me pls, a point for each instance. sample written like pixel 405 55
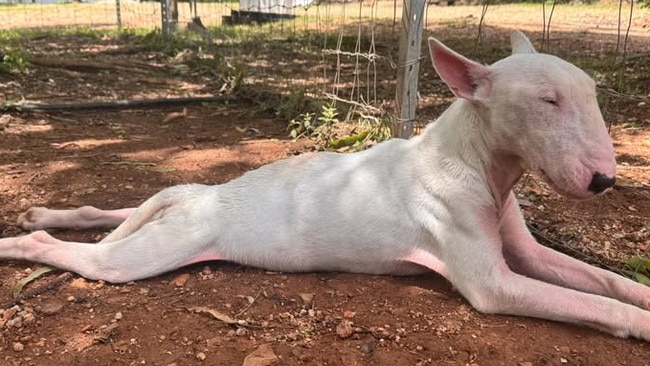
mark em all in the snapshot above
pixel 600 182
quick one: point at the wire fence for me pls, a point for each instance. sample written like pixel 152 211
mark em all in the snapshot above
pixel 347 52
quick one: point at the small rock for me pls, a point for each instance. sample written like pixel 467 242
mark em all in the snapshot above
pixel 118 315
pixel 19 347
pixel 241 332
pixel 16 322
pixel 200 356
pixel 306 297
pixel 525 363
pixel 79 283
pixel 70 298
pixel 344 329
pixel 368 349
pixel 349 314
pixel 181 279
pixel 206 270
pixel 51 308
pixel 29 318
pixel 213 342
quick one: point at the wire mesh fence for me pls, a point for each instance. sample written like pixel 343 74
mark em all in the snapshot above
pixel 346 52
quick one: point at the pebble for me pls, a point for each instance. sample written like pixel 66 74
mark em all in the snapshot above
pixel 181 280
pixel 306 297
pixel 206 270
pixel 344 329
pixel 70 298
pixel 51 308
pixel 200 356
pixel 29 318
pixel 18 347
pixel 16 322
pixel 118 315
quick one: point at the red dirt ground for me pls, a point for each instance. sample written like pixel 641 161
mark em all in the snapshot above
pixel 70 159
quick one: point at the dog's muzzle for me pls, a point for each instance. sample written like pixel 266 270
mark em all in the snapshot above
pixel 600 182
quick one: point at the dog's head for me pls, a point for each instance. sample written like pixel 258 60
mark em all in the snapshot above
pixel 539 108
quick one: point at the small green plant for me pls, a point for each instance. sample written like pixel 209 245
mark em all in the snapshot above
pixel 12 59
pixel 326 121
pixel 330 133
pixel 302 126
pixel 318 127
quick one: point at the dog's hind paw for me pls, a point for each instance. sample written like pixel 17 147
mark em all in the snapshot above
pixel 33 219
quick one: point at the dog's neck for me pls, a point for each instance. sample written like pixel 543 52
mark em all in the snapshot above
pixel 470 139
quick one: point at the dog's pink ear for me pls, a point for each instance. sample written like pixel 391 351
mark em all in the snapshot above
pixel 466 78
pixel 520 43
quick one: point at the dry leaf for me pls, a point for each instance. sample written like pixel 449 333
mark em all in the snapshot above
pixel 215 314
pixel 262 356
pixel 175 115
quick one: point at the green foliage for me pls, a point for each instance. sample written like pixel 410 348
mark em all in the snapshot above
pixel 328 132
pixel 317 127
pixel 638 268
pixel 12 59
pixel 301 126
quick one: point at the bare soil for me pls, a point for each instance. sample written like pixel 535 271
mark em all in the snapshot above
pixel 118 158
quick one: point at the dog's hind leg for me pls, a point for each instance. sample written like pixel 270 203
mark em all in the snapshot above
pixel 86 217
pixel 527 257
pixel 156 247
pixel 164 233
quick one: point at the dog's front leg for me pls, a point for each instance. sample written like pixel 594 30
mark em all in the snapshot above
pixel 526 256
pixel 477 268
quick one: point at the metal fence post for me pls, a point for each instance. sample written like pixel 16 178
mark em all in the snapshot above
pixel 406 98
pixel 119 15
pixel 169 13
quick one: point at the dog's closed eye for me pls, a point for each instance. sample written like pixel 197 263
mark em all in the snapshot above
pixel 550 100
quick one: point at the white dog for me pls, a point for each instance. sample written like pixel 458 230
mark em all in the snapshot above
pixel 440 201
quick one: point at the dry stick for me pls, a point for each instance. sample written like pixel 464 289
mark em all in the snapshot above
pixel 621 75
pixel 548 27
pixel 58 281
pixel 250 304
pixel 618 26
pixel 484 10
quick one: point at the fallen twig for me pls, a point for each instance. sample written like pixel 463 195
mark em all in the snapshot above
pixel 58 281
pixel 249 304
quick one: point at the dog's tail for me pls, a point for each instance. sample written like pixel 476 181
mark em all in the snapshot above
pixel 151 209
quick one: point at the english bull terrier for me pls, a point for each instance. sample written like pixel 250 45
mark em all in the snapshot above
pixel 440 201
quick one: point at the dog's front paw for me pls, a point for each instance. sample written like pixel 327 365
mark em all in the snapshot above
pixel 33 219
